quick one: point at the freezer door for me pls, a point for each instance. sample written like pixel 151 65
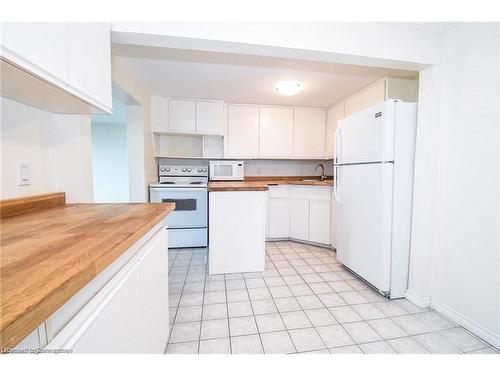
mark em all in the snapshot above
pixel 366 136
pixel 363 209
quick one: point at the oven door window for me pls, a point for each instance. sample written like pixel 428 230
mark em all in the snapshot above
pixel 188 204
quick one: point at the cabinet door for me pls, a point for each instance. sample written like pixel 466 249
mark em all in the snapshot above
pixel 209 118
pixel 299 219
pixel 89 61
pixel 276 132
pixel 242 131
pixel 38 45
pixel 353 105
pixel 374 95
pixel 279 218
pixel 309 133
pixel 130 313
pixel 181 116
pixel 159 114
pixel 333 115
pixel 319 221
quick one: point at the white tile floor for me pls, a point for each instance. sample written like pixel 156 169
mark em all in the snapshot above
pixel 304 302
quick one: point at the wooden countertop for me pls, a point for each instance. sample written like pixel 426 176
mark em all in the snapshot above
pixel 262 183
pixel 48 255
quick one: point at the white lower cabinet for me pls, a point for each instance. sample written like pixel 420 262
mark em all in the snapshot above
pixel 299 212
pixel 319 220
pixel 279 212
pixel 237 231
pixel 130 313
pixel 299 219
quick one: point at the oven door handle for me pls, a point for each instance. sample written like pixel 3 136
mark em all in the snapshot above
pixel 178 190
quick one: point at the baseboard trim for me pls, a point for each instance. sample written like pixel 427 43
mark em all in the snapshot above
pixel 476 328
pixel 279 239
pixel 417 300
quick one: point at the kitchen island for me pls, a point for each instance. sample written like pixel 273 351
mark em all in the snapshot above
pixel 83 277
pixel 238 215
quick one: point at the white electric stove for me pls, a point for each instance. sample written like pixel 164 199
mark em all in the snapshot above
pixel 186 186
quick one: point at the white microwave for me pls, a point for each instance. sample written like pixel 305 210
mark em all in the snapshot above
pixel 226 170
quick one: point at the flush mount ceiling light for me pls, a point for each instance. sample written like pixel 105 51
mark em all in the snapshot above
pixel 288 88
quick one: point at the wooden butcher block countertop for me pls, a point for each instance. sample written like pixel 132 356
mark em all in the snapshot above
pixel 50 250
pixel 262 183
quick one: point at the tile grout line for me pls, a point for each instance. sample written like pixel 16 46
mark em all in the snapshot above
pixel 180 297
pixel 253 314
pixel 228 321
pixel 321 260
pixel 309 320
pixel 202 300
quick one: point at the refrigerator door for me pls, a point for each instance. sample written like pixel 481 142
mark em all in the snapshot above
pixel 363 195
pixel 366 136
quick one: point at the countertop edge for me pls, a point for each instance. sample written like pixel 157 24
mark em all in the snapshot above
pixel 262 184
pixel 20 325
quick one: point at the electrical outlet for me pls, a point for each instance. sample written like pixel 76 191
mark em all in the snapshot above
pixel 23 174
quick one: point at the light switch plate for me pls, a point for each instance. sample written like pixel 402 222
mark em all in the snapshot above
pixel 23 173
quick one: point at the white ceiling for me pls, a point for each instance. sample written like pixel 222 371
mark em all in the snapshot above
pixel 242 78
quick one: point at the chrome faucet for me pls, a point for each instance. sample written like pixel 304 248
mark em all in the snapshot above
pixel 323 177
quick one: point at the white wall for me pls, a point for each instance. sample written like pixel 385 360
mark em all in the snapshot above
pixel 467 254
pixel 142 97
pixel 135 140
pixel 371 43
pixel 110 162
pixel 57 148
pixel 287 167
pixel 269 167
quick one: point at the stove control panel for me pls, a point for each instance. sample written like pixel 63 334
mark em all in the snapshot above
pixel 182 170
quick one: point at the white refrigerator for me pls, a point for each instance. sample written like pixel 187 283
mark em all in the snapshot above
pixel 373 191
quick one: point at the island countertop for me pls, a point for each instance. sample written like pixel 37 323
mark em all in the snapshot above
pixel 48 254
pixel 262 183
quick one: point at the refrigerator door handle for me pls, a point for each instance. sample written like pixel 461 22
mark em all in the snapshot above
pixel 336 174
pixel 337 146
pixel 338 157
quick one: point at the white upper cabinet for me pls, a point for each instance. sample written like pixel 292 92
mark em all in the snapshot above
pixel 41 46
pixel 74 58
pixel 276 132
pixel 89 61
pixel 353 105
pixel 384 89
pixel 309 133
pixel 159 114
pixel 181 116
pixel 333 115
pixel 188 117
pixel 209 117
pixel 242 135
pixel 374 94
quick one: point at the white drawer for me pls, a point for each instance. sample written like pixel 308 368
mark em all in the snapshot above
pixel 279 191
pixel 311 192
